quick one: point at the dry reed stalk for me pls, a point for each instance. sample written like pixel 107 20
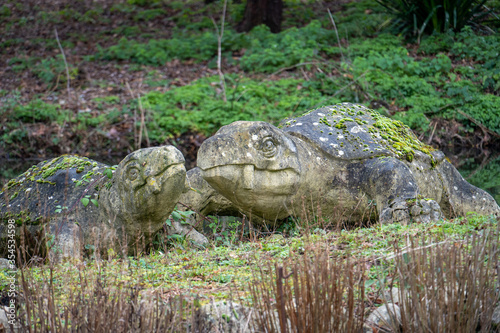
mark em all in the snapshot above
pixel 449 287
pixel 315 294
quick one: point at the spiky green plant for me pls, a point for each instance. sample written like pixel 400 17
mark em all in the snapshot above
pixel 415 17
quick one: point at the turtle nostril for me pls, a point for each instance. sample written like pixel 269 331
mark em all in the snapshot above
pixel 154 185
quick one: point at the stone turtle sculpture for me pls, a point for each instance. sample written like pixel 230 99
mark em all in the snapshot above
pixel 81 200
pixel 343 160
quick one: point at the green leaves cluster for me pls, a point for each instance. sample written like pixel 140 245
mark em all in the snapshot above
pixel 199 107
pixel 269 52
pixel 159 51
pixel 414 17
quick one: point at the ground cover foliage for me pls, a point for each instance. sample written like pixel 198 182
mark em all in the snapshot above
pixel 448 77
pixel 306 279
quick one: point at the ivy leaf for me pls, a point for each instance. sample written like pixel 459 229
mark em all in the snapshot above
pixel 108 173
pixel 85 201
pixel 94 201
pixel 176 237
pixel 186 213
pixel 176 216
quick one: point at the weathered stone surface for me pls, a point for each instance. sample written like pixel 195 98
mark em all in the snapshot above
pixel 227 316
pixel 391 295
pixel 204 200
pixel 8 321
pixel 495 320
pixel 202 197
pixel 385 318
pixel 343 161
pixel 131 201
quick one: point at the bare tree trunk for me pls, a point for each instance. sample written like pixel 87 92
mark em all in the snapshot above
pixel 268 12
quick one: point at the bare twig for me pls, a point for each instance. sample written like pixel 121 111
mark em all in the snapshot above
pixel 219 50
pixel 337 33
pixel 291 67
pixel 138 138
pixel 394 255
pixel 485 129
pixel 432 134
pixel 350 84
pixel 65 64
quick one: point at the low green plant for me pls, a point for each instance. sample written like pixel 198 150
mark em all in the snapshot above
pixel 198 107
pixel 225 230
pixel 5 11
pixel 149 14
pixel 52 71
pixel 413 17
pixel 159 51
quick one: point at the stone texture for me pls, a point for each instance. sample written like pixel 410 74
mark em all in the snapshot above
pixel 227 316
pixel 385 318
pixel 495 320
pixel 391 295
pixel 133 203
pixel 5 321
pixel 343 161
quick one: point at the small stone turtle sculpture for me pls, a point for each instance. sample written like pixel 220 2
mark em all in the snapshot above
pixel 81 200
pixel 342 160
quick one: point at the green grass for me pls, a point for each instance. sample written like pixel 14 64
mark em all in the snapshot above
pixel 224 270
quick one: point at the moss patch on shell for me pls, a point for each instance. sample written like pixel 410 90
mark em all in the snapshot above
pixel 391 134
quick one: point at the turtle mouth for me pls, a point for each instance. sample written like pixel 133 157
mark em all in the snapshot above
pixel 252 188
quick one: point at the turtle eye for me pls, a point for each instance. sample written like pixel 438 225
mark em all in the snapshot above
pixel 133 173
pixel 269 147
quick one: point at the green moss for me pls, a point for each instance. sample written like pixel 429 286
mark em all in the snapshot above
pixel 43 181
pixel 44 170
pixel 400 138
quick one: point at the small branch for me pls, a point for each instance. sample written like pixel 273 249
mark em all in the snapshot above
pixel 485 129
pixel 65 64
pixel 350 84
pixel 138 141
pixel 394 255
pixel 337 33
pixel 219 51
pixel 432 134
pixel 291 67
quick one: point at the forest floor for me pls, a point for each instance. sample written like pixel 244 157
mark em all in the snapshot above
pixel 29 35
pixel 29 41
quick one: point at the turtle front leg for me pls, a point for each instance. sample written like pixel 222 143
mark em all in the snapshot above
pixel 390 183
pixel 63 240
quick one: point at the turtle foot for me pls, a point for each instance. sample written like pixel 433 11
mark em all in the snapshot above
pixel 425 211
pixel 187 231
pixel 420 211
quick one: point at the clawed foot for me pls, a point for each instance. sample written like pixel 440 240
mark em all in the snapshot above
pixel 420 210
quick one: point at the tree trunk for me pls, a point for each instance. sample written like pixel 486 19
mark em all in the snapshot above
pixel 268 12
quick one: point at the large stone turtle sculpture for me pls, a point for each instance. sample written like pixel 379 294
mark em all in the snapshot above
pixel 81 200
pixel 342 160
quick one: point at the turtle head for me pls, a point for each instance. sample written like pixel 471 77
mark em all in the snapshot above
pixel 146 186
pixel 253 164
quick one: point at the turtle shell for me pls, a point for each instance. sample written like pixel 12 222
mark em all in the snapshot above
pixel 350 131
pixel 54 187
